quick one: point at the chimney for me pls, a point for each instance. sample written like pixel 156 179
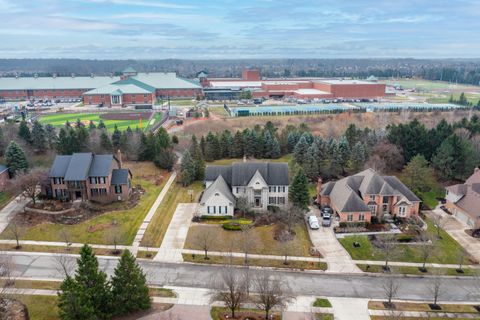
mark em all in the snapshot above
pixel 119 158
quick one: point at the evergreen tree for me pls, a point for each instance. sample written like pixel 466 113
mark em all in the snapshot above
pixel 144 152
pixel 39 141
pixel 298 191
pixel 93 287
pixel 238 146
pixel 165 159
pixel 2 143
pixel 105 142
pixel 51 136
pixel 293 138
pixel 300 150
pixel 24 132
pixel 358 157
pixel 129 286
pixel 197 157
pixel 353 135
pixel 163 140
pixel 187 169
pixel 212 147
pixel 15 159
pixel 463 100
pixel 71 304
pixel 82 138
pixel 250 142
pixel 342 154
pixel 129 131
pixel 225 143
pixel 101 125
pixel 116 136
pixel 203 145
pixel 418 176
pixel 174 139
pixel 63 143
pixel 91 125
pixel 455 158
pixel 312 162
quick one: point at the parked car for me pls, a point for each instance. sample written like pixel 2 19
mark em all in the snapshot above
pixel 313 222
pixel 326 220
pixel 326 210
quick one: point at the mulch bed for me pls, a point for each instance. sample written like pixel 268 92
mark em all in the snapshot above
pixel 246 315
pixel 126 116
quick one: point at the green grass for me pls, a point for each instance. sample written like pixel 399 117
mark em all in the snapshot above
pixel 322 303
pixel 446 252
pixel 98 230
pixel 5 198
pixel 422 306
pixel 40 307
pixel 157 117
pixel 444 98
pixel 157 228
pixel 59 120
pixel 324 316
pixel 217 313
pixel 415 271
pixel 428 84
pixel 182 102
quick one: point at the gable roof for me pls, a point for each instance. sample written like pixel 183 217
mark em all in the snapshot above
pixel 240 173
pixel 120 176
pixel 59 166
pixel 219 185
pixel 80 166
pixel 101 165
pixel 469 193
pixel 348 193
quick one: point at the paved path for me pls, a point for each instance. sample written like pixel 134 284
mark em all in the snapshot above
pixel 182 312
pixel 174 239
pixel 421 315
pixel 456 230
pixel 335 255
pixel 10 210
pixel 350 309
pixel 143 228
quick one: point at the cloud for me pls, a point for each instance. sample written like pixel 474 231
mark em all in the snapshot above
pixel 143 3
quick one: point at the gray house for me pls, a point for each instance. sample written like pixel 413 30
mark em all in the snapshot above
pixel 263 184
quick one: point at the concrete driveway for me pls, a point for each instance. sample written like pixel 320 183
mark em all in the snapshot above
pixel 326 243
pixel 10 210
pixel 456 230
pixel 182 312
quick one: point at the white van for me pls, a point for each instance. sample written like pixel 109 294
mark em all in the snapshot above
pixel 313 222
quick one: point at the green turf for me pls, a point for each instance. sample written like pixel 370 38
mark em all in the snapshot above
pixel 59 120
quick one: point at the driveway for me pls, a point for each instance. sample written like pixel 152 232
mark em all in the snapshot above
pixel 182 312
pixel 326 243
pixel 456 230
pixel 174 240
pixel 10 210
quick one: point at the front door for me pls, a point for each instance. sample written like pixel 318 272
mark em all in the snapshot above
pixel 257 202
pixel 78 194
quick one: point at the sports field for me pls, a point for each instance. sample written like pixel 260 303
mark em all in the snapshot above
pixel 428 85
pixel 122 120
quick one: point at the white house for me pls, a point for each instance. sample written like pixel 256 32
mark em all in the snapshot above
pixel 263 184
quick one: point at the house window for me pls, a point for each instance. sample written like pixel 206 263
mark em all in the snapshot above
pixel 385 199
pixel 283 189
pixel 361 217
pixel 92 180
pixel 272 200
pixel 402 211
pixel 373 209
pixel 94 192
pixel 238 190
pixel 103 191
pixel 350 217
pixel 118 189
pixel 373 198
pixel 225 208
pixel 269 189
pixel 281 200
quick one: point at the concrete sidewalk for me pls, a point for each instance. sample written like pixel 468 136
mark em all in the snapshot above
pixel 174 239
pixel 143 228
pixel 350 308
pixel 421 315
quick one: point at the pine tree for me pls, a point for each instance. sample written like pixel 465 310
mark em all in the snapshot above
pixel 163 139
pixel 39 141
pixel 197 157
pixel 15 159
pixel 250 141
pixel 298 191
pixel 144 153
pixel 105 142
pixel 51 136
pixel 311 164
pixel 342 154
pixel 418 176
pixel 300 150
pixel 455 158
pixel 116 136
pixel 24 132
pixel 72 304
pixel 129 131
pixel 237 147
pixel 94 288
pixel 165 159
pixel 271 146
pixel 293 138
pixel 63 143
pixel 101 125
pixel 187 169
pixel 82 138
pixel 212 147
pixel 2 143
pixel 129 286
pixel 358 157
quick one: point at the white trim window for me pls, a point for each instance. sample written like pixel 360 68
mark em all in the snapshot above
pixel 402 211
pixel 361 216
pixel 373 209
pixel 350 217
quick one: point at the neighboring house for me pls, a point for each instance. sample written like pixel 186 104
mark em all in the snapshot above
pixel 87 176
pixel 262 184
pixel 359 197
pixel 4 176
pixel 463 200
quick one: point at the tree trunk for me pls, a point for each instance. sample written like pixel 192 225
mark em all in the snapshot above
pixel 266 313
pixel 206 255
pixel 233 312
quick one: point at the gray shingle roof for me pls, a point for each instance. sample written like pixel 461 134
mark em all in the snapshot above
pixel 59 167
pixel 78 167
pixel 240 173
pixel 101 165
pixel 120 176
pixel 398 185
pixel 219 185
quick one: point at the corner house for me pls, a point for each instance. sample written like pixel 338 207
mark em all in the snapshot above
pixel 131 88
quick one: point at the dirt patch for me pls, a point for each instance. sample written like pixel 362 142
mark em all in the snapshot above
pixel 126 116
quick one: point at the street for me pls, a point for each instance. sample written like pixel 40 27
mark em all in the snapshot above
pixel 31 265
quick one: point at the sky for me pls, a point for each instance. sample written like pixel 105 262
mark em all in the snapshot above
pixel 239 29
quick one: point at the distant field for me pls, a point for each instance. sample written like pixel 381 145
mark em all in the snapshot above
pixel 122 120
pixel 430 85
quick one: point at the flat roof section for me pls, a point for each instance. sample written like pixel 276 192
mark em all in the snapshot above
pixel 310 91
pixel 58 83
pixel 340 81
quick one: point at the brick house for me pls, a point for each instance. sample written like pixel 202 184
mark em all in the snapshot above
pixel 87 176
pixel 4 177
pixel 463 200
pixel 359 197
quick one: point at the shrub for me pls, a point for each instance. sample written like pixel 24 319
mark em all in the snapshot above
pixel 343 224
pixel 273 209
pixel 404 238
pixel 374 220
pixel 207 217
pixel 232 226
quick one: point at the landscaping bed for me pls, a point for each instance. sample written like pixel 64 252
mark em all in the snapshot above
pixel 418 306
pixel 417 271
pixel 218 313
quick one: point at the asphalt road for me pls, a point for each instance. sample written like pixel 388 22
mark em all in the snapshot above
pixel 300 283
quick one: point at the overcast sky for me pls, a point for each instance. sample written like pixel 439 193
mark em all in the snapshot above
pixel 207 29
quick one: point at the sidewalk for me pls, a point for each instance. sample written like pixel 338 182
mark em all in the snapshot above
pixel 424 314
pixel 350 308
pixel 10 210
pixel 143 228
pixel 174 239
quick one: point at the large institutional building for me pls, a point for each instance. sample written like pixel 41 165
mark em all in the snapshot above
pixel 300 88
pixel 131 88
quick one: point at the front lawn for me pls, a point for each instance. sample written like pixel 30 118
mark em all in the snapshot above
pixel 157 228
pixel 220 313
pixel 322 303
pixel 99 229
pixel 40 307
pixel 419 306
pixel 261 239
pixel 446 253
pixel 416 271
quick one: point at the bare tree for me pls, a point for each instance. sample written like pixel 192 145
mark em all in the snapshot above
pixel 390 289
pixel 116 236
pixel 64 264
pixel 27 183
pixel 427 248
pixel 231 289
pixel 291 216
pixel 287 247
pixel 270 292
pixel 248 239
pixel 65 235
pixel 16 230
pixel 243 205
pixel 439 222
pixel 435 288
pixel 6 281
pixel 206 241
pixel 388 245
pixel 461 255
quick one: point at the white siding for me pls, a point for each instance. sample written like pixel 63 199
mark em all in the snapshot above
pixel 216 205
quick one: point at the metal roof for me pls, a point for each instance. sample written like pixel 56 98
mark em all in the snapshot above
pixel 43 83
pixel 59 167
pixel 167 80
pixel 119 89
